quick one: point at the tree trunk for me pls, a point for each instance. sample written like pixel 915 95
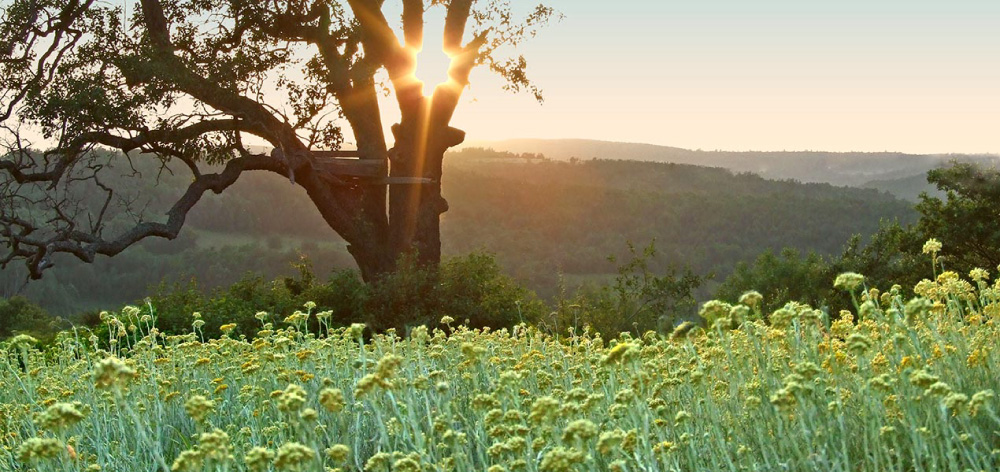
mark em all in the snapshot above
pixel 422 136
pixel 415 209
pixel 371 246
pixel 373 260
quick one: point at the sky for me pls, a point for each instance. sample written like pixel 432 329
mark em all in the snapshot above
pixel 919 76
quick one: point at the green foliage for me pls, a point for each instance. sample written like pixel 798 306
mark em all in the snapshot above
pixel 892 256
pixel 237 303
pixel 780 278
pixel 343 293
pixel 403 298
pixel 20 315
pixel 470 289
pixel 637 301
pixel 474 288
pixel 963 216
pixel 540 217
pixel 967 220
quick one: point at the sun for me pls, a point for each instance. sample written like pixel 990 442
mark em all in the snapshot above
pixel 432 66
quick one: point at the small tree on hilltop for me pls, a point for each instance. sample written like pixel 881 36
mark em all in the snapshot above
pixel 967 220
pixel 185 83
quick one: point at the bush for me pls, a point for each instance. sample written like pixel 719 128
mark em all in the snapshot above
pixel 344 293
pixel 781 278
pixel 471 289
pixel 637 301
pixel 237 303
pixel 966 220
pixel 20 315
pixel 474 288
pixel 403 298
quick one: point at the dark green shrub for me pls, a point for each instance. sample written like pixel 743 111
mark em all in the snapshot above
pixel 782 278
pixel 966 220
pixel 344 294
pixel 237 303
pixel 174 305
pixel 403 298
pixel 474 288
pixel 20 315
pixel 639 300
pixel 470 289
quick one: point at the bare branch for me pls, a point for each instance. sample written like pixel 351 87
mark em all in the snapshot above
pixel 38 251
pixel 152 140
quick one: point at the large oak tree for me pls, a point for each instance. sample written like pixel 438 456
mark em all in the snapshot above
pixel 191 84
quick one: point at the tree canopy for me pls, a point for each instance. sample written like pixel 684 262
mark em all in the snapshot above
pixel 967 219
pixel 206 88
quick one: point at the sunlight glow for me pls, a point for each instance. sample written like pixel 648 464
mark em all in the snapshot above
pixel 432 68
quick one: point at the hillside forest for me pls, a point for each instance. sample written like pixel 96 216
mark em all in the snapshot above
pixel 549 223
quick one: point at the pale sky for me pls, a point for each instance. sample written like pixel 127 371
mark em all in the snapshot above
pixel 920 76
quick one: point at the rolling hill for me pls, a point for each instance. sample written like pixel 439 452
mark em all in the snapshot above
pixel 850 168
pixel 546 220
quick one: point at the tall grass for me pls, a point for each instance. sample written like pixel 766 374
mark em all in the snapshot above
pixel 894 385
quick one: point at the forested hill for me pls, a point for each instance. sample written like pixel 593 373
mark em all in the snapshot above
pixel 838 168
pixel 907 188
pixel 541 218
pixel 540 215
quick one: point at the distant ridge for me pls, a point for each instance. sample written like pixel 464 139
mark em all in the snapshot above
pixel 853 169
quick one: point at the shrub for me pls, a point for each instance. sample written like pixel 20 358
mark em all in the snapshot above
pixel 470 287
pixel 638 300
pixel 237 303
pixel 473 287
pixel 344 293
pixel 18 314
pixel 780 278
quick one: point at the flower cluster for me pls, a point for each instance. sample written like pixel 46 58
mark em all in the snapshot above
pixel 852 387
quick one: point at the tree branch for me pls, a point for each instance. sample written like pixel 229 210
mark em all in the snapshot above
pixel 413 23
pixel 170 69
pixel 454 25
pixel 151 138
pixel 380 41
pixel 38 251
pixel 28 33
pixel 157 26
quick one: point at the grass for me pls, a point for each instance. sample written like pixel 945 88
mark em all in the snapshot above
pixel 895 385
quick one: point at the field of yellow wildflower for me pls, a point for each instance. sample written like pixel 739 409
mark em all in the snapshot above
pixel 895 385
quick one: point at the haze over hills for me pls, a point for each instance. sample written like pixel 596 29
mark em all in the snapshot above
pixel 906 188
pixel 855 169
pixel 547 221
